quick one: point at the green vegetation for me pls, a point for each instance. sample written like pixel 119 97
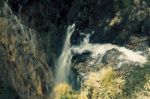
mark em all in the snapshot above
pixel 137 81
pixel 105 84
pixel 64 91
pixel 116 20
pixel 109 84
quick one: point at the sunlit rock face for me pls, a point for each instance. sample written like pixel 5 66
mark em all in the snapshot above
pixel 23 64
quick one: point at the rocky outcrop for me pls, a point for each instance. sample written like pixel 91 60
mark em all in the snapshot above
pixel 23 65
pixel 116 59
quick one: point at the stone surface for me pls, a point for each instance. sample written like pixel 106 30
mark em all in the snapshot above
pixel 22 64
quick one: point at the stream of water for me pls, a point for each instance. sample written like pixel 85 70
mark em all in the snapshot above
pixel 64 61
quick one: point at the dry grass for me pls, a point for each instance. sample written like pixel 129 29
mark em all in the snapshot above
pixel 82 95
pixel 104 84
pixel 108 84
pixel 60 90
pixel 64 91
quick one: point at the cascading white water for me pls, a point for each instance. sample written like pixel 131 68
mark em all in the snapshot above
pixel 64 61
pixel 97 49
pixel 102 48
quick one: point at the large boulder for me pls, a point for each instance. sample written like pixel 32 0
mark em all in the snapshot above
pixel 116 59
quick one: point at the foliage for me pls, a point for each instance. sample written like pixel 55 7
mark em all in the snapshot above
pixel 109 84
pixel 137 81
pixel 61 89
pixel 104 84
pixel 116 20
pixel 64 91
pixel 144 93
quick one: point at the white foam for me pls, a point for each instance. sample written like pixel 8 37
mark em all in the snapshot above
pixel 64 61
pixel 102 48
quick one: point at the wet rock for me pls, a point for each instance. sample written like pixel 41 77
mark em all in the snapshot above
pixel 88 64
pixel 117 60
pixel 77 58
pixel 111 56
pixel 80 69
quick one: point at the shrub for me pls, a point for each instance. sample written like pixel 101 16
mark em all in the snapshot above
pixel 60 90
pixel 64 91
pixel 104 84
pixel 116 20
pixel 138 82
pixel 108 84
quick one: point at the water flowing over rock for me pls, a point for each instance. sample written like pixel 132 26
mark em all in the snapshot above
pixel 88 57
pixel 64 61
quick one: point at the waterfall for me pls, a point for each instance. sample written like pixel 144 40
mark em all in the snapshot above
pixel 64 61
